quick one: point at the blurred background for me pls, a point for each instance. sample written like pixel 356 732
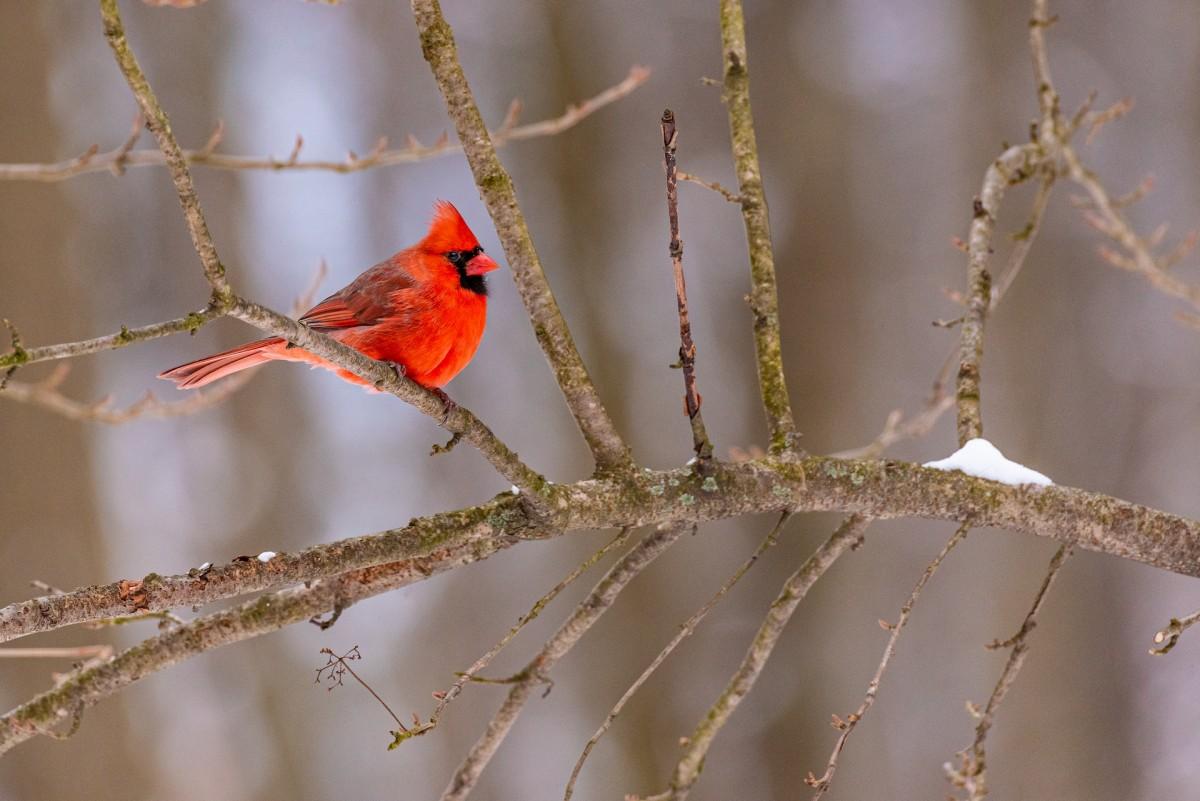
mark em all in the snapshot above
pixel 875 121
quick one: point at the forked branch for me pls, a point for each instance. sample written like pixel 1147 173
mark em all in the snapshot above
pixel 499 195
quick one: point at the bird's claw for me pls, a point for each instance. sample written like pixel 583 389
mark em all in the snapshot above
pixel 449 407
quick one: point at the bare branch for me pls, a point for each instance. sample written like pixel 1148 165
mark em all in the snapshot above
pixel 732 197
pixel 45 393
pixel 876 489
pixel 852 720
pixel 496 189
pixel 1168 637
pixel 685 631
pixel 971 775
pixel 160 126
pixel 897 429
pixel 598 601
pixel 383 377
pixel 85 687
pixel 696 746
pixel 687 348
pixel 1025 237
pixel 764 298
pixel 126 336
pixel 119 158
pixel 1014 164
pixel 447 697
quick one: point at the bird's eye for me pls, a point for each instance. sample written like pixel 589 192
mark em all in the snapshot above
pixel 455 256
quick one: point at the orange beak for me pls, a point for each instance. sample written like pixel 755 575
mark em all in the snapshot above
pixel 482 263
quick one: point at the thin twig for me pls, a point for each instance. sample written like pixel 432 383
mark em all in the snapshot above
pixel 45 393
pixel 126 336
pixel 93 161
pixel 897 429
pixel 852 720
pixel 1025 237
pixel 598 601
pixel 447 697
pixel 687 771
pixel 685 630
pixel 1167 638
pixel 732 197
pixel 1139 256
pixel 687 348
pixel 764 297
pixel 496 189
pixel 971 775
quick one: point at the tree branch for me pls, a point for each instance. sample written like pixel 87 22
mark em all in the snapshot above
pixel 696 746
pixel 847 726
pixel 685 631
pixel 85 687
pixel 1014 165
pixel 764 298
pixel 121 157
pixel 1166 638
pixel 482 662
pixel 225 302
pixel 598 601
pixel 972 772
pixel 160 127
pixel 126 336
pixel 687 348
pixel 498 194
pixel 877 489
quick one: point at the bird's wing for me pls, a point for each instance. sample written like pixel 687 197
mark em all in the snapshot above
pixel 368 299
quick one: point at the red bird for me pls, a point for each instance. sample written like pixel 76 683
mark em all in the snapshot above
pixel 423 309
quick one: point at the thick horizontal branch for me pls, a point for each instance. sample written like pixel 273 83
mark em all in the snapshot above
pixel 93 682
pixel 877 489
pixel 119 158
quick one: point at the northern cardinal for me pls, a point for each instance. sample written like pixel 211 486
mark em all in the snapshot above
pixel 423 309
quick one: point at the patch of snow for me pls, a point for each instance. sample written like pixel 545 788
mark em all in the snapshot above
pixel 515 490
pixel 266 556
pixel 982 459
pixel 204 566
pixel 691 461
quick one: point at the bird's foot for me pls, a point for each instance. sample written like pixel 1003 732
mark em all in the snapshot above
pixel 449 407
pixel 397 368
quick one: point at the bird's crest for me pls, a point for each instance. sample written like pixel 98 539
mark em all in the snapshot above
pixel 448 231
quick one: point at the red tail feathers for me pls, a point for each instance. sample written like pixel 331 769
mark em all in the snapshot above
pixel 210 368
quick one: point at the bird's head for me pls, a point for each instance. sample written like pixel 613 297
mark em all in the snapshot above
pixel 451 239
